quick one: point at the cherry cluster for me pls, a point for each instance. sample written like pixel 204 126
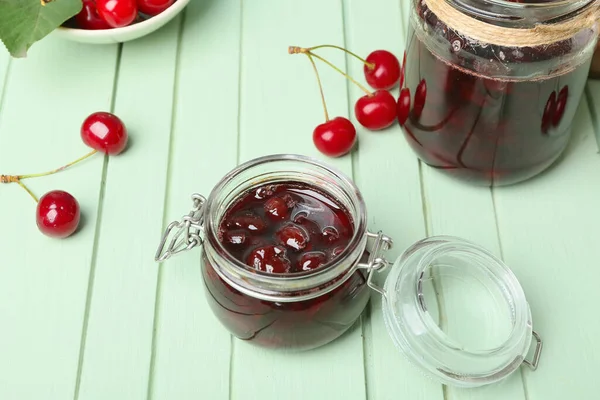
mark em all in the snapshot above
pixel 375 110
pixel 109 14
pixel 58 213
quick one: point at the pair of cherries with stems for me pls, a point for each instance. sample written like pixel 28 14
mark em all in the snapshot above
pixel 58 212
pixel 375 110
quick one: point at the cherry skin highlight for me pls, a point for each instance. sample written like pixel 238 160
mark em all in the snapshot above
pixel 57 214
pixel 386 70
pixel 153 7
pixel 335 137
pixel 376 111
pixel 117 13
pixel 104 132
pixel 88 17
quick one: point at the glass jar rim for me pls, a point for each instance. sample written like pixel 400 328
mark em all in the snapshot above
pixel 292 284
pixel 521 15
pixel 420 339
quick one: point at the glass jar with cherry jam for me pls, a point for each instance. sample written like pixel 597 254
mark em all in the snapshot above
pixel 595 69
pixel 285 255
pixel 494 85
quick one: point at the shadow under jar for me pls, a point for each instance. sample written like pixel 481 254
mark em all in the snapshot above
pixel 495 85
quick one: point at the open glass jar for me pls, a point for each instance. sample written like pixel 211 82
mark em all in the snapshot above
pixel 264 289
pixel 495 84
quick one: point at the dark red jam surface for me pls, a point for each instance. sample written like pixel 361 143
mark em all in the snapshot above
pixel 489 131
pixel 286 228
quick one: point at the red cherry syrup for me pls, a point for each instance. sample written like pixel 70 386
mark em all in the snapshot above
pixel 485 130
pixel 286 228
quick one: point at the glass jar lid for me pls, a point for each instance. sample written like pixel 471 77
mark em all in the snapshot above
pixel 458 313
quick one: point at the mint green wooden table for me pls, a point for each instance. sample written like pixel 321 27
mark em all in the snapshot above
pixel 93 317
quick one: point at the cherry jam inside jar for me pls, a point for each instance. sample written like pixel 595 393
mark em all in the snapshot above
pixel 496 111
pixel 284 253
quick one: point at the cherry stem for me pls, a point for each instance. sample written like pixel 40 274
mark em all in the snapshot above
pixel 320 85
pixel 27 190
pixel 54 171
pixel 364 89
pixel 368 64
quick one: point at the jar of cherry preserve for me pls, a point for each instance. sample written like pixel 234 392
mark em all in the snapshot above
pixel 492 86
pixel 288 263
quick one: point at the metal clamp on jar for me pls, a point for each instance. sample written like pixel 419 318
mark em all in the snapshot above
pixel 295 306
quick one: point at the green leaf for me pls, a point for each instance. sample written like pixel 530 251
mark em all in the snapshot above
pixel 24 22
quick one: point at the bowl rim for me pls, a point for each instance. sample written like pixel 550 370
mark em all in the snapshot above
pixel 169 13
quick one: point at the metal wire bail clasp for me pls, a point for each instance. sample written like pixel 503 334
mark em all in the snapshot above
pixel 188 230
pixel 377 262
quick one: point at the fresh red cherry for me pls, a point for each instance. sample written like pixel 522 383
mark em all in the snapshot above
pixel 270 259
pixel 312 260
pixel 376 111
pixel 248 221
pixel 88 17
pixel 335 137
pixel 153 7
pixel 104 132
pixel 117 13
pixel 420 96
pixel 561 105
pixel 57 214
pixel 549 112
pixel 403 108
pixel 292 236
pixel 384 71
pixel 276 208
pixel 330 234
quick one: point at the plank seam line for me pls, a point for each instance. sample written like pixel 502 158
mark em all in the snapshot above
pixel 92 273
pixel 501 248
pixel 238 157
pixel 158 291
pixel 436 286
pixel 366 336
pixel 593 114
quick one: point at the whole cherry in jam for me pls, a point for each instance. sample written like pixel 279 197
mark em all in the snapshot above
pixel 403 106
pixel 561 105
pixel 307 226
pixel 382 70
pixel 549 112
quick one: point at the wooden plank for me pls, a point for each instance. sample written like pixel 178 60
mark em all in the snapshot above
pixel 118 345
pixel 280 108
pixel 387 172
pixel 43 281
pixel 548 230
pixel 192 347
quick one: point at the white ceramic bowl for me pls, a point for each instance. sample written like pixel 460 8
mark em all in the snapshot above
pixel 125 34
